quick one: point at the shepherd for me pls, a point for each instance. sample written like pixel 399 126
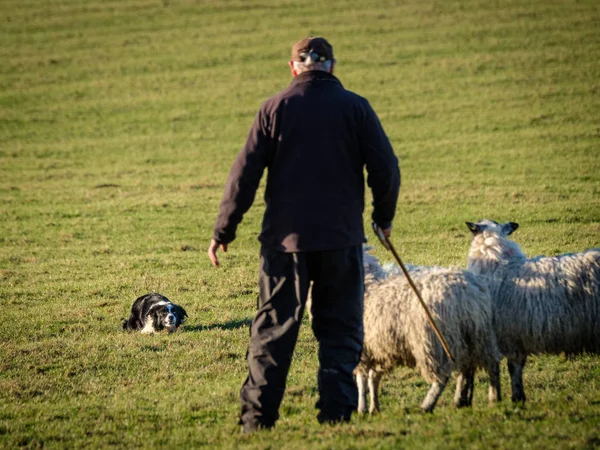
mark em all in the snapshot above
pixel 315 138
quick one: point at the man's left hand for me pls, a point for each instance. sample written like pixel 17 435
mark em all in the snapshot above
pixel 212 251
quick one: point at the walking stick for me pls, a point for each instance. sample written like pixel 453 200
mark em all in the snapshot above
pixel 388 246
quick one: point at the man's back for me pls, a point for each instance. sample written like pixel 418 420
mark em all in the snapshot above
pixel 318 135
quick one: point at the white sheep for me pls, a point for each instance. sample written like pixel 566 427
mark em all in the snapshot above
pixel 541 305
pixel 397 331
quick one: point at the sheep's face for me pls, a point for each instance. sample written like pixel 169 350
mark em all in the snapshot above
pixel 371 264
pixel 492 227
pixel 372 267
pixel 490 250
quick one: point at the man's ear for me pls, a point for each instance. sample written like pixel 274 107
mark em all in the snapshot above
pixel 291 64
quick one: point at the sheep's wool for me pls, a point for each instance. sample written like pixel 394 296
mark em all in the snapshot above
pixel 397 330
pixel 542 304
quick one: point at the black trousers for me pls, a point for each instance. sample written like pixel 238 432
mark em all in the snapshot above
pixel 337 308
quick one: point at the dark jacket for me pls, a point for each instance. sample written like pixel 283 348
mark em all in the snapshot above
pixel 315 138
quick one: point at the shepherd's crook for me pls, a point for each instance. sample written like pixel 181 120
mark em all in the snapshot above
pixel 388 245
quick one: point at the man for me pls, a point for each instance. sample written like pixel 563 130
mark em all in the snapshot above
pixel 315 138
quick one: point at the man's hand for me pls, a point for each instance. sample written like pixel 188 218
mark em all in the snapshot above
pixel 387 232
pixel 212 251
pixel 382 234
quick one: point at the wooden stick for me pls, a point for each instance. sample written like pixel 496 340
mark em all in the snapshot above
pixel 388 245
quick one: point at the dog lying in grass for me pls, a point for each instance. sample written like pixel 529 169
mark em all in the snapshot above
pixel 154 312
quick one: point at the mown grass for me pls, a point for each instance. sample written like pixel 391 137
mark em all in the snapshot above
pixel 118 125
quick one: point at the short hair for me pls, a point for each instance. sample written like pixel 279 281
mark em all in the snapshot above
pixel 309 65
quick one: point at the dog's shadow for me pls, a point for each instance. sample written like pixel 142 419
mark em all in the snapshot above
pixel 229 325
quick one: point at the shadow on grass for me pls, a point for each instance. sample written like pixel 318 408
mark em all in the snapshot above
pixel 229 325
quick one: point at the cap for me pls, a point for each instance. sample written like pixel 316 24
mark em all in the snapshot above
pixel 310 45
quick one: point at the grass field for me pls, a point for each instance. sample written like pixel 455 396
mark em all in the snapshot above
pixel 119 121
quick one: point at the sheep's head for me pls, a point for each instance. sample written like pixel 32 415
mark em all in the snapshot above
pixel 490 250
pixel 372 267
pixel 490 226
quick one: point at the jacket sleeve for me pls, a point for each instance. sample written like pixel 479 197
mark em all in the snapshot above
pixel 383 171
pixel 243 181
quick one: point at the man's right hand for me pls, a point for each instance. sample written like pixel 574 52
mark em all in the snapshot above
pixel 382 232
pixel 212 251
pixel 387 232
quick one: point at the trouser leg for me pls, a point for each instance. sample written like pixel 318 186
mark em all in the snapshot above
pixel 283 286
pixel 337 296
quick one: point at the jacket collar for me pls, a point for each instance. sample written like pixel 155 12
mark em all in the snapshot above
pixel 315 75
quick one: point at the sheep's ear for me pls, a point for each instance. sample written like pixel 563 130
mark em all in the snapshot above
pixel 473 227
pixel 512 226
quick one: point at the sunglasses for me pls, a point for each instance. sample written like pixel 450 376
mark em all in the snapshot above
pixel 314 56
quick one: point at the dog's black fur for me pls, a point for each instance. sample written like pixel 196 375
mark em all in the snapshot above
pixel 154 312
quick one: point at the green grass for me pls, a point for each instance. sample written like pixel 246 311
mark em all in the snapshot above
pixel 119 122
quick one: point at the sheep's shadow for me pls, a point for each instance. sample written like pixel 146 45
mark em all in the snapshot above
pixel 229 325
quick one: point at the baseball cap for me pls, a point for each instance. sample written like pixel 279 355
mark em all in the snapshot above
pixel 310 46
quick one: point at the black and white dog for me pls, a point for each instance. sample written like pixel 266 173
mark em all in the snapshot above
pixel 154 312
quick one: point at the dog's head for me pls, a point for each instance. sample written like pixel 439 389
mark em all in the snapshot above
pixel 166 316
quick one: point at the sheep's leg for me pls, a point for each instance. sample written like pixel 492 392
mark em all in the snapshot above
pixel 515 368
pixel 494 394
pixel 436 389
pixel 464 388
pixel 374 378
pixel 361 381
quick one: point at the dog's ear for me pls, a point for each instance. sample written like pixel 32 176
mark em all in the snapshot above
pixel 154 314
pixel 180 311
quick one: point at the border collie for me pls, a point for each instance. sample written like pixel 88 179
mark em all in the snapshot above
pixel 154 312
